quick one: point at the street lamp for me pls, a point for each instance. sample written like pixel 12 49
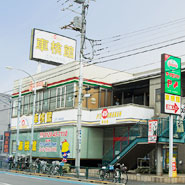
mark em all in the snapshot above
pixel 34 100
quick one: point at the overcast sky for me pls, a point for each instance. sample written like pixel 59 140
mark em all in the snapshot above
pixel 131 30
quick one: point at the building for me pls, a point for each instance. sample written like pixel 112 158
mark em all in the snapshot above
pixel 5 116
pixel 115 114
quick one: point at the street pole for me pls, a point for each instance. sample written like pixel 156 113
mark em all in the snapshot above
pixel 18 116
pixel 32 125
pixel 170 144
pixel 79 114
pixel 18 120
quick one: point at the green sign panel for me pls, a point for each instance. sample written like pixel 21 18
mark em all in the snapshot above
pixel 172 74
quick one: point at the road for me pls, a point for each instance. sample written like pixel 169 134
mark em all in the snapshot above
pixel 8 178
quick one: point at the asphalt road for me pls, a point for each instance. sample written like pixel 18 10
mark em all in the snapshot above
pixel 8 178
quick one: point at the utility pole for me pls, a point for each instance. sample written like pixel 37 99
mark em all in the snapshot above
pixel 18 120
pixel 79 115
pixel 79 24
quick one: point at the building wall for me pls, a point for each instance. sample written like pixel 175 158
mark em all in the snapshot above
pixel 154 84
pixel 5 111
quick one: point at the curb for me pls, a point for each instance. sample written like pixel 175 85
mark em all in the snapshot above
pixel 63 177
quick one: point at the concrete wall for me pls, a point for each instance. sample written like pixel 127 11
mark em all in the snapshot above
pixel 154 84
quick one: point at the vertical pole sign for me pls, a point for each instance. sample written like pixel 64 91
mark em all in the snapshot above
pixel 170 94
pixel 6 142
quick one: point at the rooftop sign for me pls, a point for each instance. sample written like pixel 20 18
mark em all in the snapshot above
pixel 52 48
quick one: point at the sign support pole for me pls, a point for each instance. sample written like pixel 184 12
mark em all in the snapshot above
pixel 170 144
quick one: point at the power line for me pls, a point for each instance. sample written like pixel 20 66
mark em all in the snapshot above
pixel 155 27
pixel 143 47
pixel 137 53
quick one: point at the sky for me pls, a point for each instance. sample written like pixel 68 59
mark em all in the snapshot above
pixel 128 33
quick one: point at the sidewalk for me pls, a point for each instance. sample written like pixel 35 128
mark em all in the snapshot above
pixel 160 179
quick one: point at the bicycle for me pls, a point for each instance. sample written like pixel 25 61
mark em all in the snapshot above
pixel 104 172
pixel 120 174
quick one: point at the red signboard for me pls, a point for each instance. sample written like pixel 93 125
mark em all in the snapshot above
pixel 6 142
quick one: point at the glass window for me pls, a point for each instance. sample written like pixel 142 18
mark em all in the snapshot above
pixel 45 100
pixel 102 98
pixel 52 104
pixel 58 97
pixel 69 95
pixel 37 102
pixel 158 95
pixel 40 100
pixel 13 146
pixel 31 104
pixel 15 106
pixel 1 137
pixel 22 104
pixel 1 146
pixel 63 97
pixel 26 103
pixel 139 99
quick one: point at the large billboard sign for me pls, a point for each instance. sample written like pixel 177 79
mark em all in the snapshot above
pixel 170 84
pixel 52 48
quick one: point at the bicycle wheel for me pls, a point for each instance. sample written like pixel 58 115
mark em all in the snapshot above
pixel 107 175
pixel 115 177
pixel 101 175
pixel 124 177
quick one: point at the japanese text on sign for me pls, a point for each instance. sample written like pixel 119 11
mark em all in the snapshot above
pixel 43 118
pixel 6 142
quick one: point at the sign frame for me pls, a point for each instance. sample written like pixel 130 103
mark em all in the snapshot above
pixel 170 80
pixel 6 147
pixel 52 60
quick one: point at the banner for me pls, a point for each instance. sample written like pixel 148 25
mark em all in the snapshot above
pixel 152 131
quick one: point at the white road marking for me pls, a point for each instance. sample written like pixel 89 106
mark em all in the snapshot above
pixel 26 176
pixel 2 183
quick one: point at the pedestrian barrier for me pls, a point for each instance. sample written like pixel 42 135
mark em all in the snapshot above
pixel 57 169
